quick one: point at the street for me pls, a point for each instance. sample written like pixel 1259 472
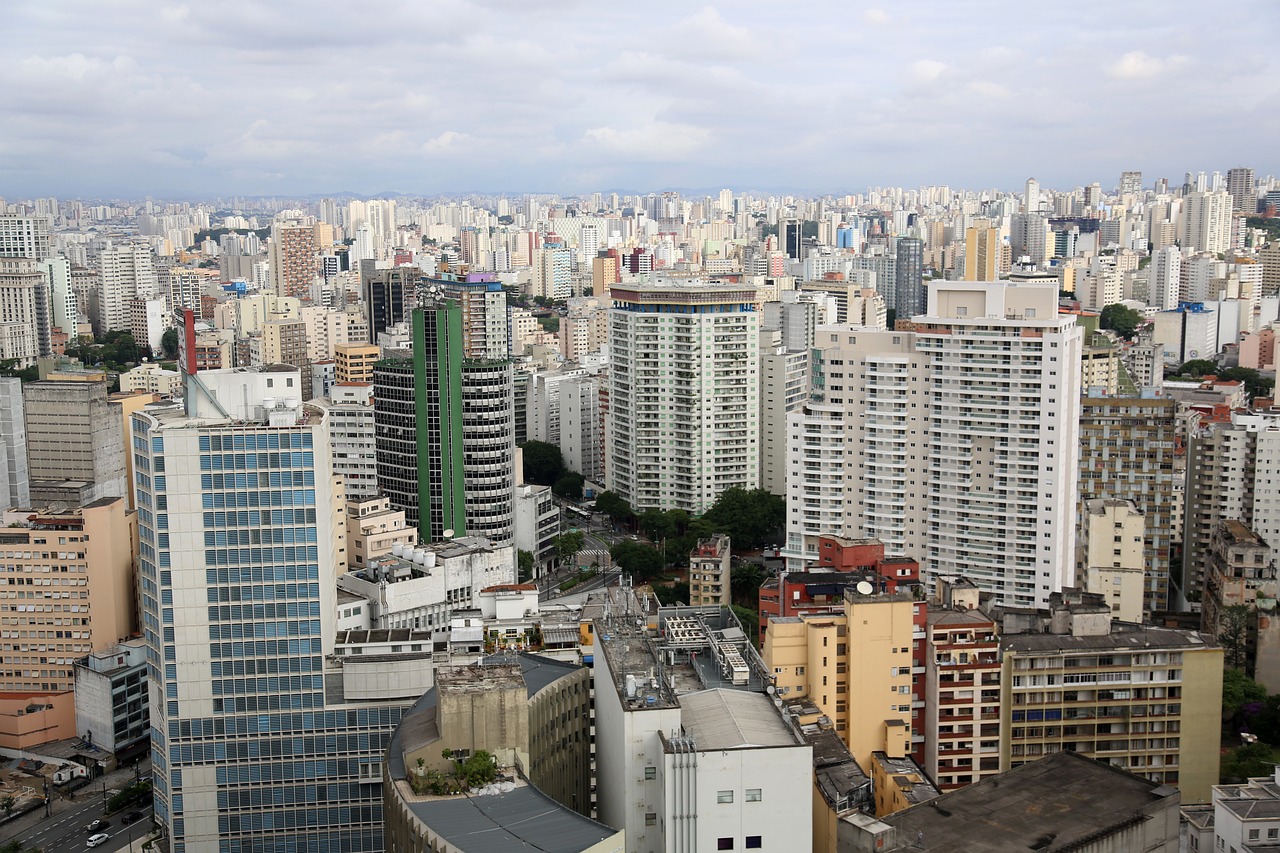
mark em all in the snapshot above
pixel 65 830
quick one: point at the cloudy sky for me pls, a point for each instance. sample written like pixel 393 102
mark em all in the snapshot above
pixel 133 97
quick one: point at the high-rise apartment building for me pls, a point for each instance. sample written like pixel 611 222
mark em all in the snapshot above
pixel 388 296
pixel 1131 449
pixel 126 273
pixel 960 435
pixel 684 407
pixel 1244 199
pixel 784 386
pixel 1130 183
pixel 292 257
pixel 253 745
pixel 24 303
pixel 76 567
pixel 981 253
pixel 15 477
pixel 24 237
pixel 483 304
pixel 1206 222
pixel 351 436
pixel 354 362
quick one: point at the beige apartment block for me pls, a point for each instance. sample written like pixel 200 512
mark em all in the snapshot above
pixel 66 589
pixel 354 362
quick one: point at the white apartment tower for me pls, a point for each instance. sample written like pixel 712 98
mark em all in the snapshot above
pixel 957 442
pixel 683 416
pixel 1206 222
pixel 128 273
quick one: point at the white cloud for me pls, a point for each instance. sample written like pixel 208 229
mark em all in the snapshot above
pixel 926 70
pixel 1137 65
pixel 653 141
pixel 450 140
pixel 875 17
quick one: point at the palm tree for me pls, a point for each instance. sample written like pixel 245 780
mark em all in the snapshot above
pixel 744 584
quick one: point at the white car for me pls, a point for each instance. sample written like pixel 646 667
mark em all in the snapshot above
pixel 95 840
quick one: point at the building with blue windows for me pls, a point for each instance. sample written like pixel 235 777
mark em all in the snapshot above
pixel 254 746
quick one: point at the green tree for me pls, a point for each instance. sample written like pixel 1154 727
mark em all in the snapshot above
pixel 744 584
pixel 751 518
pixel 1238 690
pixel 642 562
pixel 1254 382
pixel 543 463
pixel 1235 624
pixel 671 594
pixel 6 805
pixel 569 486
pixel 1247 762
pixel 169 343
pixel 549 324
pixel 614 506
pixel 750 620
pixel 656 524
pixel 1121 319
pixel 525 563
pixel 569 544
pixel 1198 367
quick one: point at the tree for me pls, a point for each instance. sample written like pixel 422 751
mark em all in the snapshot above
pixel 751 518
pixel 6 805
pixel 1254 382
pixel 525 562
pixel 1235 623
pixel 1239 690
pixel 569 486
pixel 642 562
pixel 569 544
pixel 1249 761
pixel 543 463
pixel 744 584
pixel 750 620
pixel 656 524
pixel 549 324
pixel 614 506
pixel 671 594
pixel 1198 367
pixel 1121 319
pixel 169 343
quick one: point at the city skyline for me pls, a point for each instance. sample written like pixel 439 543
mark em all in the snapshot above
pixel 464 97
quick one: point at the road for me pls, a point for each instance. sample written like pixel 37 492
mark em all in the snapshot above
pixel 66 829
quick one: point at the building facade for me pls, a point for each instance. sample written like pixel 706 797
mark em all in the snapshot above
pixel 683 410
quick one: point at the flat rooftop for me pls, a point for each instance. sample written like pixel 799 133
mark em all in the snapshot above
pixel 1051 803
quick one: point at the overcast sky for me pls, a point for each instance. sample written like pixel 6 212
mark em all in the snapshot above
pixel 181 100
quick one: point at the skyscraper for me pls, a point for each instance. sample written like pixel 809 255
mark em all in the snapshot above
pixel 909 272
pixel 1130 183
pixel 981 253
pixel 1240 187
pixel 238 546
pixel 1206 222
pixel 683 398
pixel 445 431
pixel 959 437
pixel 292 255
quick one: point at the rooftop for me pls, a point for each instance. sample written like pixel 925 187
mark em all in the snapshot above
pixel 733 719
pixel 1123 636
pixel 1048 804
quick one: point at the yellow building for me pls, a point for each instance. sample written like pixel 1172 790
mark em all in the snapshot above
pixel 1139 697
pixel 854 666
pixel 982 254
pixel 67 589
pixel 354 362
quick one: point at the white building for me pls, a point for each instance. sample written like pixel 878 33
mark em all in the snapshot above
pixel 1112 556
pixel 153 379
pixel 683 417
pixel 954 442
pixel 22 282
pixel 1206 222
pixel 537 523
pixel 351 435
pixel 1186 333
pixel 420 587
pixel 127 273
pixel 1165 278
pixel 582 427
pixel 684 768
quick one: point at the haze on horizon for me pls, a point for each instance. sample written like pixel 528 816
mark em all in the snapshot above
pixel 255 98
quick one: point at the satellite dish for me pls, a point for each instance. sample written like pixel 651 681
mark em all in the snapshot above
pixel 865 587
pixel 448 534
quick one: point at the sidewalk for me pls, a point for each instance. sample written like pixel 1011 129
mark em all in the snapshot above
pixel 115 780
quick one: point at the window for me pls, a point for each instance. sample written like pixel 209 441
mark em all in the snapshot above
pixel 651 773
pixel 753 842
pixel 650 818
pixel 754 795
pixel 724 796
pixel 724 844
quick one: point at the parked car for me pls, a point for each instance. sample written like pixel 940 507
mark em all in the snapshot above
pixel 95 840
pixel 98 825
pixel 130 817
